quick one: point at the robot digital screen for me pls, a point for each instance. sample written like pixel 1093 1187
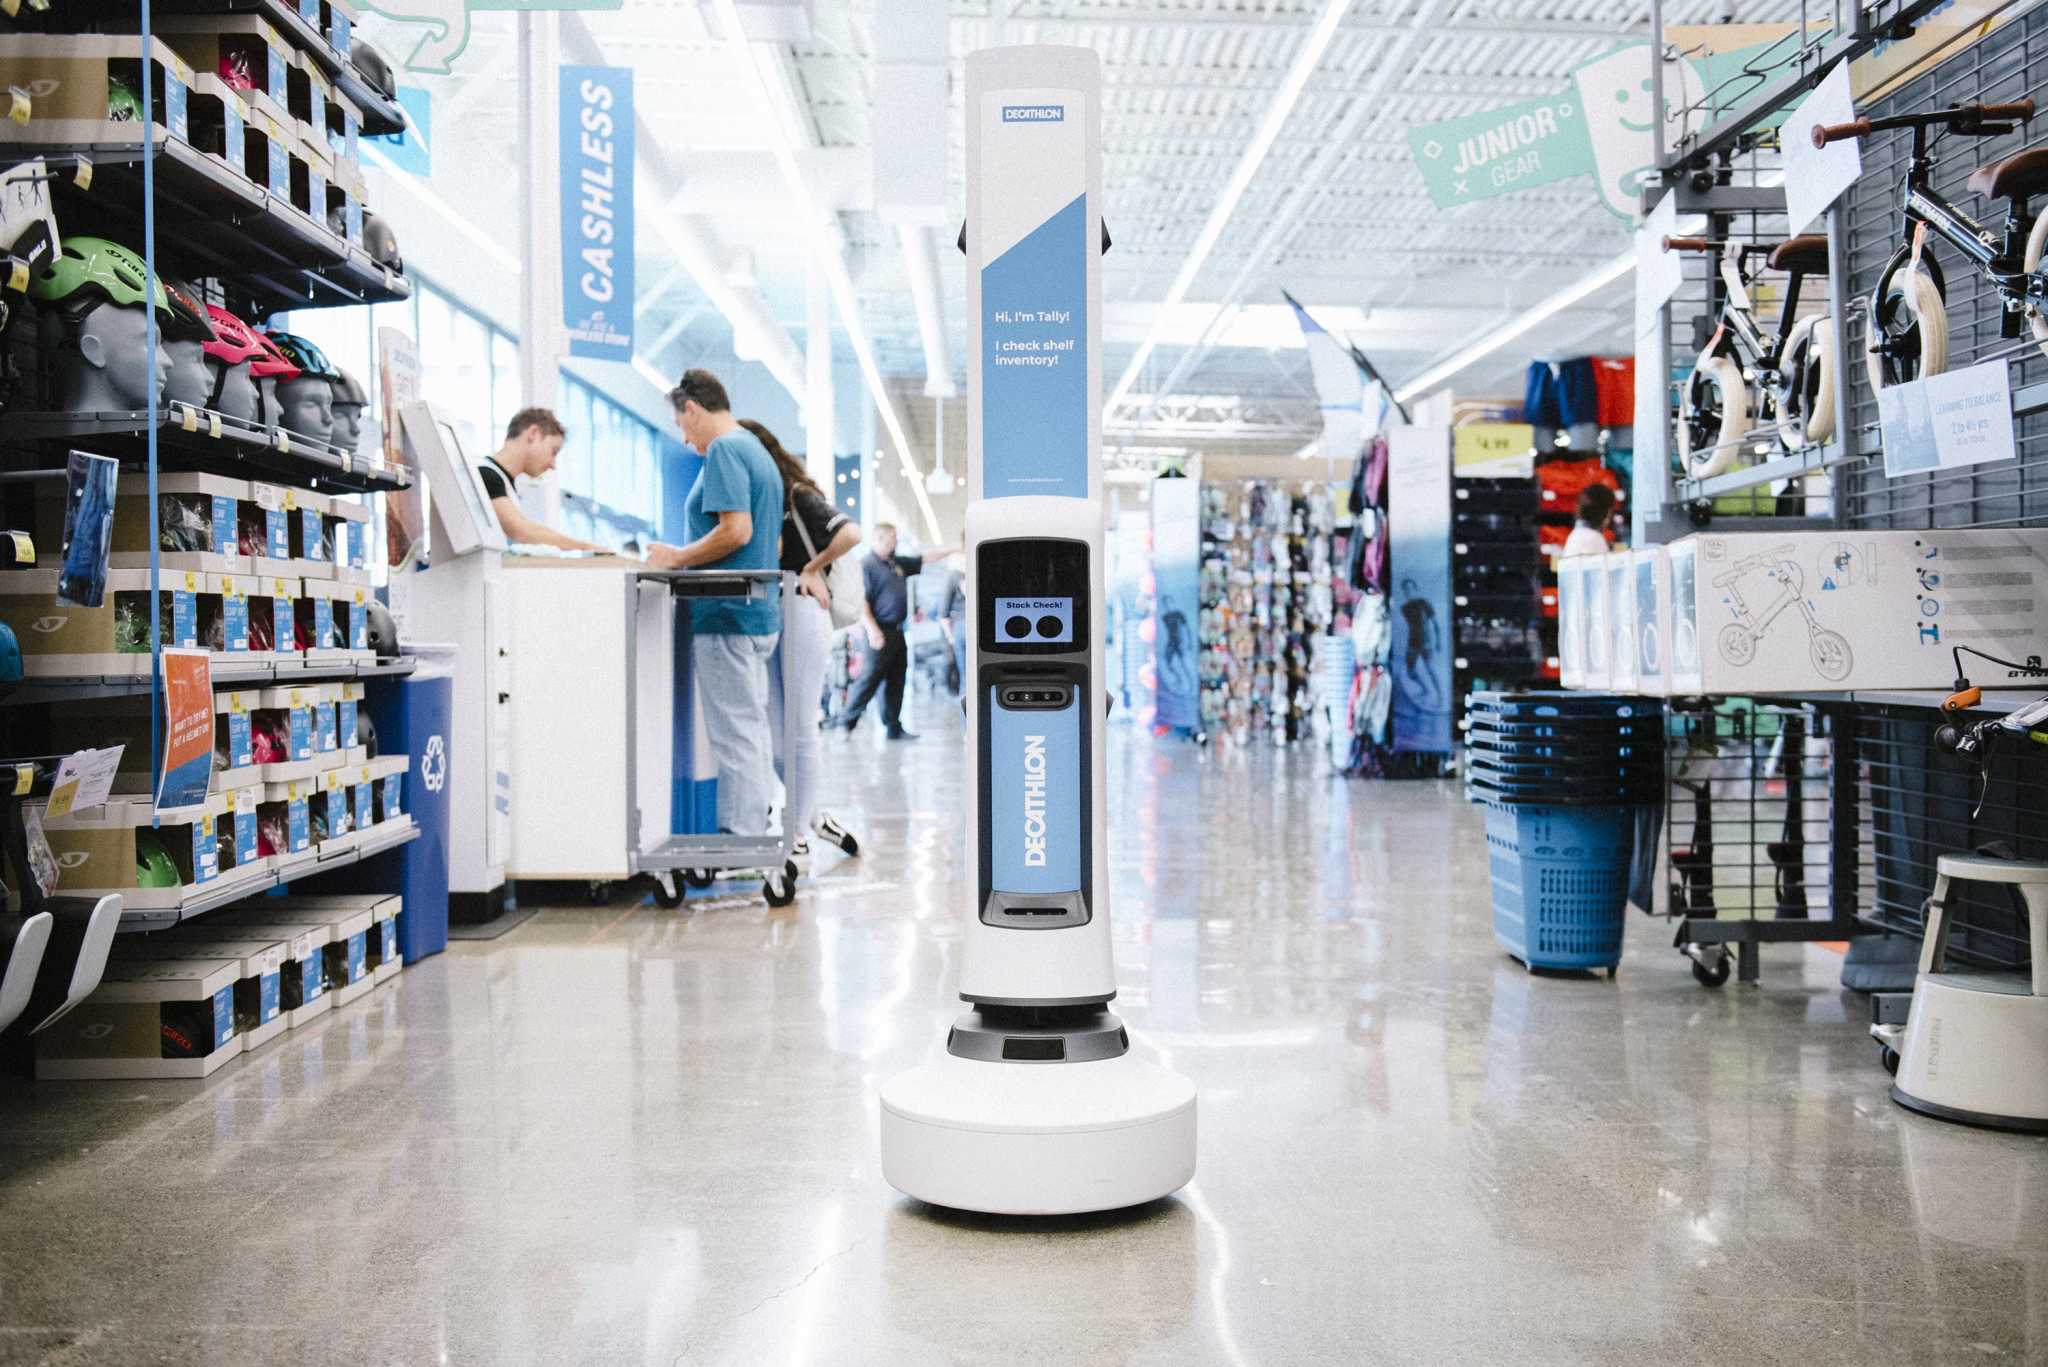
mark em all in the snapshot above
pixel 1036 620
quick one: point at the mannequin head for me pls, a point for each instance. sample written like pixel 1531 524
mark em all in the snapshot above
pixel 189 381
pixel 349 402
pixel 239 397
pixel 305 405
pixel 103 358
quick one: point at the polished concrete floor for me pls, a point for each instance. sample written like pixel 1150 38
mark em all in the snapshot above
pixel 624 1135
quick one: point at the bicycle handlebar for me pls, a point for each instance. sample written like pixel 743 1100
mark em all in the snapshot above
pixel 1974 119
pixel 1687 244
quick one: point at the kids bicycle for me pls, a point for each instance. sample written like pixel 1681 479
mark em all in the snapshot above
pixel 1750 376
pixel 1908 313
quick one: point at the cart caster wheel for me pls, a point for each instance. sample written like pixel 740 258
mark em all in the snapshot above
pixel 1711 977
pixel 668 893
pixel 697 878
pixel 596 893
pixel 779 888
pixel 790 871
pixel 1889 1057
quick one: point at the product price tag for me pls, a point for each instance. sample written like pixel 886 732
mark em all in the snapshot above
pixel 81 174
pixel 24 779
pixel 17 275
pixel 291 498
pixel 269 496
pixel 24 548
pixel 213 426
pixel 191 581
pixel 84 780
pixel 188 417
pixel 18 104
pixel 284 446
pixel 10 8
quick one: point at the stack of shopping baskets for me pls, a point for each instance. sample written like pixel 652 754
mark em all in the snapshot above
pixel 1562 777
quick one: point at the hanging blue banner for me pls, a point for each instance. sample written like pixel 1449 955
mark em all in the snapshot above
pixel 597 211
pixel 1419 525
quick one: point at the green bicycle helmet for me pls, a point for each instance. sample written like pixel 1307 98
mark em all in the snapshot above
pixel 124 102
pixel 310 359
pixel 154 867
pixel 91 271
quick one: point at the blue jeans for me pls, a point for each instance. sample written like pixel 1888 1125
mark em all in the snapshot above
pixel 732 688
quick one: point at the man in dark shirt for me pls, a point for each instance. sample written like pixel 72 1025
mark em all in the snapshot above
pixel 888 605
pixel 533 439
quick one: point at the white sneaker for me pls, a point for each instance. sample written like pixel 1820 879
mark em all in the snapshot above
pixel 837 834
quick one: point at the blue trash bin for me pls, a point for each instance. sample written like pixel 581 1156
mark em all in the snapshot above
pixel 413 715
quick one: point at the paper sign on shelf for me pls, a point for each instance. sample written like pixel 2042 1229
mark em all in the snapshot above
pixel 1815 177
pixel 84 780
pixel 1948 421
pixel 1660 274
pixel 188 729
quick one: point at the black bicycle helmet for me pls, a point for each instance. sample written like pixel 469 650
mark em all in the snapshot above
pixel 188 321
pixel 349 390
pixel 372 66
pixel 380 242
pixel 383 631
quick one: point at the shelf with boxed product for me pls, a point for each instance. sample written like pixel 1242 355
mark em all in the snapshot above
pixel 200 439
pixel 254 673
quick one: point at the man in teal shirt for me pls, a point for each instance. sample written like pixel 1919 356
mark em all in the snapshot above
pixel 734 521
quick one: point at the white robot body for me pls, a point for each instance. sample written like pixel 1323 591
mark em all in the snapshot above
pixel 1037 1105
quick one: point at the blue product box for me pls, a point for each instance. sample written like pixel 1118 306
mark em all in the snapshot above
pixel 391 796
pixel 387 940
pixel 185 618
pixel 205 851
pixel 175 97
pixel 302 732
pixel 269 997
pixel 345 723
pixel 245 838
pixel 240 755
pixel 235 611
pixel 225 539
pixel 278 524
pixel 298 825
pixel 324 738
pixel 223 1016
pixel 366 806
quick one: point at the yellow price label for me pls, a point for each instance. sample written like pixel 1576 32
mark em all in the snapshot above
pixel 191 582
pixel 81 175
pixel 18 104
pixel 296 700
pixel 10 8
pixel 24 548
pixel 284 445
pixel 213 426
pixel 291 498
pixel 61 798
pixel 17 275
pixel 188 417
pixel 24 779
pixel 236 705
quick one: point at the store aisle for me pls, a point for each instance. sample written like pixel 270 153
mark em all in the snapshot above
pixel 625 1135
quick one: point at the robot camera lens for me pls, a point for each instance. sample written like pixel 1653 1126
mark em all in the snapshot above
pixel 1019 625
pixel 1050 626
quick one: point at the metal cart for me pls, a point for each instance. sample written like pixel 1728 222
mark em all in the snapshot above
pixel 672 861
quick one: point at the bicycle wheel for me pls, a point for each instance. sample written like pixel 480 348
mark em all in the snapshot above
pixel 1714 417
pixel 1832 658
pixel 1908 324
pixel 1806 399
pixel 2037 248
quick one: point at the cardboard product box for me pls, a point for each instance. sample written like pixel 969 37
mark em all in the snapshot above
pixel 267 153
pixel 87 88
pixel 149 1018
pixel 1599 629
pixel 348 527
pixel 1650 595
pixel 218 120
pixel 312 168
pixel 273 629
pixel 344 131
pixel 58 640
pixel 1622 660
pixel 1834 610
pixel 264 531
pixel 1682 616
pixel 331 812
pixel 1572 611
pixel 258 995
pixel 348 922
pixel 196 523
pixel 224 613
pixel 302 987
pixel 340 25
pixel 284 729
pixel 345 210
pixel 319 638
pixel 245 51
pixel 326 740
pixel 241 850
pixel 348 702
pixel 382 908
pixel 105 850
pixel 363 798
pixel 307 92
pixel 312 544
pixel 387 773
pixel 284 820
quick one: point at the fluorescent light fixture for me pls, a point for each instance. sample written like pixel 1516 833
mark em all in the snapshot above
pixel 825 247
pixel 1305 63
pixel 1496 338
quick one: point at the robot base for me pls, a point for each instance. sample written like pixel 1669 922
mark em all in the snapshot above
pixel 1038 1138
pixel 1976 1051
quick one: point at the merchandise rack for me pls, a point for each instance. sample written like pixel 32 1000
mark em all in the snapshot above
pixel 1896 800
pixel 1503 639
pixel 199 439
pixel 225 674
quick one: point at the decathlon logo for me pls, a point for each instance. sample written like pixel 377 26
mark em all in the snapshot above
pixel 1034 802
pixel 434 764
pixel 1034 113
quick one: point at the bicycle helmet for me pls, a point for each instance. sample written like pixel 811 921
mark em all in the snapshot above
pixel 372 66
pixel 349 390
pixel 308 359
pixel 124 104
pixel 10 659
pixel 380 242
pixel 366 735
pixel 273 364
pixel 189 321
pixel 383 632
pixel 91 271
pixel 154 867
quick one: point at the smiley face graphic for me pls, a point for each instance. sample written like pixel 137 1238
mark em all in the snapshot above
pixel 1643 101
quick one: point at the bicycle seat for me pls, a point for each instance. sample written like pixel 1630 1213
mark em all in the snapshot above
pixel 1807 253
pixel 2020 176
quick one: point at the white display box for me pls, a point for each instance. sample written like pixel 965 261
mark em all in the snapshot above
pixel 1599 631
pixel 1650 581
pixel 120 1030
pixel 304 970
pixel 258 1004
pixel 1622 662
pixel 1572 609
pixel 1796 612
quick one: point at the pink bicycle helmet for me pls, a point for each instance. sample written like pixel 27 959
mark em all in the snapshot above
pixel 273 364
pixel 234 341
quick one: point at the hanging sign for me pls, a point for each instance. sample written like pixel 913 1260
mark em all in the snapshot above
pixel 1598 125
pixel 188 729
pixel 442 30
pixel 597 211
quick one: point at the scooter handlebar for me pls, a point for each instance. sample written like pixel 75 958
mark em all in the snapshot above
pixel 1687 244
pixel 1825 133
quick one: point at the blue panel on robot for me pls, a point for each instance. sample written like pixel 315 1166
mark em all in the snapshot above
pixel 1035 621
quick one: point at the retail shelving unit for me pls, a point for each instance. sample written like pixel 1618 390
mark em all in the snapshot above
pixel 1894 799
pixel 194 216
pixel 1503 638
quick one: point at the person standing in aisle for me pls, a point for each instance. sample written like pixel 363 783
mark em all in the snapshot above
pixel 1596 511
pixel 814 534
pixel 533 439
pixel 888 655
pixel 953 621
pixel 734 520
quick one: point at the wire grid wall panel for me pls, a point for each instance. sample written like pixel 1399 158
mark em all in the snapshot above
pixel 1748 803
pixel 2008 65
pixel 1696 312
pixel 1920 802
